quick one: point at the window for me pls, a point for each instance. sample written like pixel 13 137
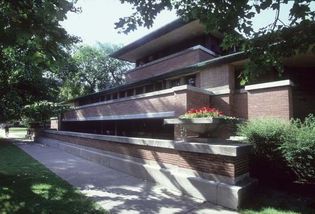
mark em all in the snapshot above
pixel 149 88
pixel 130 92
pixel 174 82
pixel 108 97
pixel 102 98
pixel 158 86
pixel 94 99
pixel 190 80
pixel 139 90
pixel 122 94
pixel 114 96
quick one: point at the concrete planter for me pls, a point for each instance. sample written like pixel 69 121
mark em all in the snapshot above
pixel 203 127
pixel 198 125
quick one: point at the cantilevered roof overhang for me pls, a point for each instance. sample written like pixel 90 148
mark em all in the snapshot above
pixel 168 35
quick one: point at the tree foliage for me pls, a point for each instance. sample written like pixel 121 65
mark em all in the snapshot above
pixel 91 69
pixel 40 112
pixel 32 44
pixel 266 47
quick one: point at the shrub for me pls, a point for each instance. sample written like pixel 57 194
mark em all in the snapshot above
pixel 281 148
pixel 299 148
pixel 267 135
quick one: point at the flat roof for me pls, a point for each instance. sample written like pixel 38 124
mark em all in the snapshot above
pixel 170 34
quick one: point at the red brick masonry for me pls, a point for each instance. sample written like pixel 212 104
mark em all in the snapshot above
pixel 181 60
pixel 209 163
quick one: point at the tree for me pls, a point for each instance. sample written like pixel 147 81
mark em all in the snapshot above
pixel 32 44
pixel 40 112
pixel 266 47
pixel 91 69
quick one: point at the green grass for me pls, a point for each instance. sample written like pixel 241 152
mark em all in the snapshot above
pixel 267 200
pixel 15 132
pixel 26 186
pixel 18 132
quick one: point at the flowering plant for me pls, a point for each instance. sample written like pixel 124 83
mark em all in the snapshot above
pixel 203 112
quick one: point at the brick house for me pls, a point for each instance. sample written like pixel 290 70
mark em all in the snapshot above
pixel 179 67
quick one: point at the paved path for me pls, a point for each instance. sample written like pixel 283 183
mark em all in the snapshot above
pixel 116 191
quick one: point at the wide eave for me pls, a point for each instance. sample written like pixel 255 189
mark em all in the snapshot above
pixel 168 35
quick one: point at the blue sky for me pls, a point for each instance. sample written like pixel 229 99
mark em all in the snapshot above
pixel 96 22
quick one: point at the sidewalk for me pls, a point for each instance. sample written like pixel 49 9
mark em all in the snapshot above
pixel 116 191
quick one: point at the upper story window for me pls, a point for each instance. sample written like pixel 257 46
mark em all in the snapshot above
pixel 190 80
pixel 130 92
pixel 122 94
pixel 158 86
pixel 107 97
pixel 139 90
pixel 149 88
pixel 174 82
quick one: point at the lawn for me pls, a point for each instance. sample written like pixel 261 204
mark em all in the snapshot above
pixel 26 186
pixel 15 132
pixel 287 199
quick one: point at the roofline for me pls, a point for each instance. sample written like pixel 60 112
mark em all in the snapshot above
pixel 149 37
pixel 181 71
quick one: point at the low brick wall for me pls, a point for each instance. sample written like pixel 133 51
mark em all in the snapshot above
pixel 230 166
pixel 270 102
pixel 215 172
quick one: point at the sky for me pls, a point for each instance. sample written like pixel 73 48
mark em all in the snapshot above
pixel 96 21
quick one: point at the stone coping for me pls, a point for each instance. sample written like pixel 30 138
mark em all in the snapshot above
pixel 216 147
pixel 269 85
pixel 124 116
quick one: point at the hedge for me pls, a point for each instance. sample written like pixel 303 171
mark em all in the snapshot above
pixel 282 150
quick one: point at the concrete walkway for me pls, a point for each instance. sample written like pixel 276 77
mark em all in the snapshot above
pixel 115 191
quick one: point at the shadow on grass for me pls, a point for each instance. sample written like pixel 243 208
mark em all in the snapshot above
pixel 285 199
pixel 26 186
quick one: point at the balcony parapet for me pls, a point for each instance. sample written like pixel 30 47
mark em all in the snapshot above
pixel 166 103
pixel 166 64
pixel 153 94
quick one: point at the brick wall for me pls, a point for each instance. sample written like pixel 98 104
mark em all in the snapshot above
pixel 240 105
pixel 208 163
pixel 270 102
pixel 221 102
pixel 178 101
pixel 195 100
pixel 162 103
pixel 164 66
pixel 213 77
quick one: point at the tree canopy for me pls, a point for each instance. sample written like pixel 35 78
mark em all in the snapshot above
pixel 32 44
pixel 266 47
pixel 91 69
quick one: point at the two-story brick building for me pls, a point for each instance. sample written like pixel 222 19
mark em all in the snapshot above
pixel 179 67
